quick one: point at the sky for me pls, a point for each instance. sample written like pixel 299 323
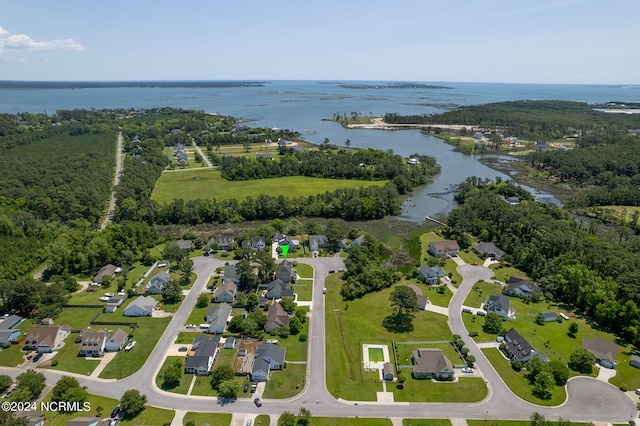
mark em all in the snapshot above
pixel 508 41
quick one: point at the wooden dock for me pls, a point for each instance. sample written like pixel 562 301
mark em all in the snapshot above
pixel 435 220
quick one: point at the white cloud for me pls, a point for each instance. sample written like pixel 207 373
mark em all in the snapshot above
pixel 21 42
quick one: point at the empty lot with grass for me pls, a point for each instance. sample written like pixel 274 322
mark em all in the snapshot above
pixel 208 183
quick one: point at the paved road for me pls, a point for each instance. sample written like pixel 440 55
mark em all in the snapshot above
pixel 116 181
pixel 589 399
pixel 205 158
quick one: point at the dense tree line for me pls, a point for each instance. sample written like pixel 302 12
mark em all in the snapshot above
pixel 372 202
pixel 366 270
pixel 527 119
pixel 57 175
pixel 361 164
pixel 598 276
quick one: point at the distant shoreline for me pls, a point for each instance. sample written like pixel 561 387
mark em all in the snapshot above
pixel 25 85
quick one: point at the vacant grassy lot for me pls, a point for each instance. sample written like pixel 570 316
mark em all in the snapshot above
pixel 360 321
pixel 61 419
pixel 208 183
pixel 304 289
pixel 304 270
pixel 286 383
pixel 513 423
pixel 296 350
pixel 503 273
pixel 147 335
pixel 207 418
pixel 426 422
pixel 77 318
pixel 348 421
pixel 481 292
pixel 467 389
pixel 436 297
pixel 185 381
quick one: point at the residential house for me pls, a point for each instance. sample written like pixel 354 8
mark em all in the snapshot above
pixel 421 300
pixel 284 240
pixel 158 282
pixel 431 363
pixel 8 332
pixel 522 288
pixel 501 305
pixel 9 335
pixel 489 250
pixel 443 248
pixel 93 343
pixel 230 273
pixel 108 270
pixel 114 303
pixel 217 317
pixel 431 274
pixel 514 201
pixel 285 272
pixel 224 242
pixel 549 316
pixel 116 340
pixel 387 372
pixel 230 342
pixel 205 351
pixel 85 421
pixel 267 357
pixel 45 339
pixel 517 347
pixel 226 293
pixel 35 418
pixel 278 289
pixel 185 244
pixel 255 243
pixel 316 242
pixel 142 306
pixel 360 241
pixel 478 135
pixel 635 361
pixel 605 352
pixel 46 321
pixel 276 317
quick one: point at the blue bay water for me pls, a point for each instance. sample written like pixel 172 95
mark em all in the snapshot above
pixel 302 106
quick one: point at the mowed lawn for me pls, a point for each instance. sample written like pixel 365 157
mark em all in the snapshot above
pixel 208 183
pixel 360 321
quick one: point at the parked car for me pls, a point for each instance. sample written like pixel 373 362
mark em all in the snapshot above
pixel 246 387
pixel 258 402
pixel 481 313
pixel 37 357
pixel 254 386
pixel 191 326
pixel 115 411
pixel 467 370
pixel 499 339
pixel 467 311
pixel 183 349
pixel 331 271
pixel 637 391
pixel 249 422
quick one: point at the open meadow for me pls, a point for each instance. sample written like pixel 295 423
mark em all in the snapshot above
pixel 208 183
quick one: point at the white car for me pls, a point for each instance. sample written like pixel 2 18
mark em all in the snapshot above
pixel 637 391
pixel 191 326
pixel 467 370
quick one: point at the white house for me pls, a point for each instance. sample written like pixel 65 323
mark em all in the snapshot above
pixel 142 306
pixel 116 340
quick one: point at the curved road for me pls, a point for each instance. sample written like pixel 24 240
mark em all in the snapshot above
pixel 589 399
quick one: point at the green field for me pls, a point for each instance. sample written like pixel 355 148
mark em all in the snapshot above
pixel 208 183
pixel 201 419
pixel 147 335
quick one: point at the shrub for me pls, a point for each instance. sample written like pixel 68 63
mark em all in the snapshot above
pixel 54 362
pixel 302 337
